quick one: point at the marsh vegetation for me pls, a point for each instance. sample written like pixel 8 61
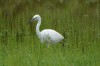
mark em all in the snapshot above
pixel 77 20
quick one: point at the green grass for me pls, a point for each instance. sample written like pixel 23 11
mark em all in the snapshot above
pixel 78 21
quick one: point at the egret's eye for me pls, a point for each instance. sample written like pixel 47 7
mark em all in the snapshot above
pixel 34 18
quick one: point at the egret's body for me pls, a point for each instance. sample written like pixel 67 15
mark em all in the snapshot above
pixel 51 36
pixel 47 35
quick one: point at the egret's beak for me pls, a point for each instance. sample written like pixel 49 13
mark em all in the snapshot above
pixel 31 21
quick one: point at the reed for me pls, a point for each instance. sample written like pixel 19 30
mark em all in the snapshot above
pixel 78 21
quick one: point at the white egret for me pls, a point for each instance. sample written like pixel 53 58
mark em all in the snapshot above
pixel 47 35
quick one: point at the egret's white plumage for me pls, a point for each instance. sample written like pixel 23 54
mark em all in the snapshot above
pixel 47 35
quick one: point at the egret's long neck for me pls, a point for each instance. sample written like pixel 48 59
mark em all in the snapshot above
pixel 37 28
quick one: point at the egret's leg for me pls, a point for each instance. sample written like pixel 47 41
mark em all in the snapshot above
pixel 63 45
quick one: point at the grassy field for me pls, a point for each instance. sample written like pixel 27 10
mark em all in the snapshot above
pixel 78 21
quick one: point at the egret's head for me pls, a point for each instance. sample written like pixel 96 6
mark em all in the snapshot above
pixel 35 17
